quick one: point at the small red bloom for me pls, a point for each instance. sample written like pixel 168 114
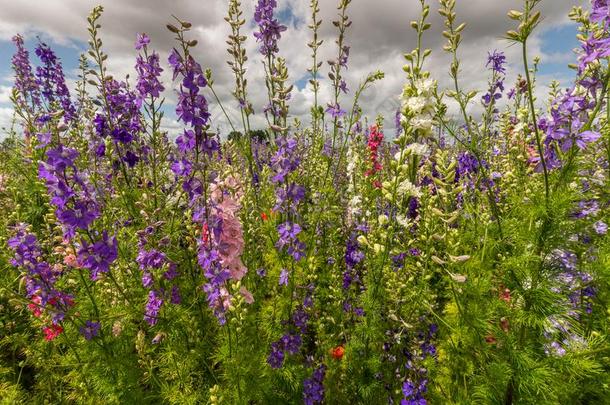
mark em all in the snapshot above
pixel 337 353
pixel 504 324
pixel 205 233
pixel 374 141
pixel 35 306
pixel 505 295
pixel 51 332
pixel 264 216
pixel 490 339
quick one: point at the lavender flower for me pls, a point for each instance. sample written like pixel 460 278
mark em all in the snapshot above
pixel 70 191
pixel 40 277
pixel 600 227
pixel 288 240
pixel 292 341
pixel 563 128
pixel 153 306
pixel 285 160
pixel 142 41
pixel 288 197
pixel 270 29
pixel 313 387
pixel 25 83
pixel 413 394
pixel 353 276
pixel 51 80
pixel 121 122
pixel 98 257
pixel 217 296
pixel 276 357
pixel 600 12
pixel 335 111
pixel 192 110
pixel 149 70
pixel 496 61
pixel 90 330
pixel 154 261
pixel 284 277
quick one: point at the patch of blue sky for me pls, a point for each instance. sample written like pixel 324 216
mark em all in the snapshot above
pixel 287 17
pixel 68 53
pixel 558 43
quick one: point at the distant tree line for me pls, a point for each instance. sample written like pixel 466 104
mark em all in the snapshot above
pixel 259 134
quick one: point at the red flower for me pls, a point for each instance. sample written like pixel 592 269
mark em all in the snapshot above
pixel 505 294
pixel 205 233
pixel 51 332
pixel 337 353
pixel 264 216
pixel 374 141
pixel 504 324
pixel 35 306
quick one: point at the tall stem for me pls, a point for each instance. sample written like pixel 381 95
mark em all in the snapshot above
pixel 535 122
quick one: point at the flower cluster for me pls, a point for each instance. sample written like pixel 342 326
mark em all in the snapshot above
pixel 90 330
pixel 417 105
pixel 221 246
pixel 25 82
pixel 69 189
pixel 288 196
pixel 158 273
pixel 354 205
pixel 192 106
pixel 269 28
pixel 288 240
pixel 121 123
pixel 413 350
pixel 192 110
pixel 564 127
pixel 313 387
pixel 353 274
pixel 374 142
pixel 292 340
pixel 149 70
pixel 99 255
pixel 51 81
pixel 495 61
pixel 40 278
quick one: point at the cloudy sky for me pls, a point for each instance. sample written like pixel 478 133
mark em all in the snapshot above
pixel 380 34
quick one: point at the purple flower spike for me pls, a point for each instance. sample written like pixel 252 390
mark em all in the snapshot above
pixel 270 29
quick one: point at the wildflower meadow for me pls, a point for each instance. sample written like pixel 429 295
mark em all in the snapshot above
pixel 455 252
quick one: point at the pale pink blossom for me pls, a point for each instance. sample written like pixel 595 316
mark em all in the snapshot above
pixel 248 297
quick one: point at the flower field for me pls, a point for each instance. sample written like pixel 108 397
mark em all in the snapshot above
pixel 455 252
